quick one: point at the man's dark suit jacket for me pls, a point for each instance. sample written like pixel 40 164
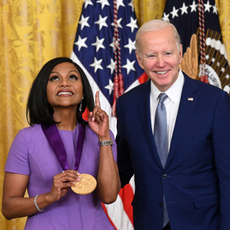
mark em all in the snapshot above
pixel 196 178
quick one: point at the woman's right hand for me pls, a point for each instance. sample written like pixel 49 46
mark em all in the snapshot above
pixel 61 183
pixel 14 204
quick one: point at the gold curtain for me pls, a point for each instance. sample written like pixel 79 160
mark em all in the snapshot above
pixel 35 31
pixel 223 7
pixel 31 33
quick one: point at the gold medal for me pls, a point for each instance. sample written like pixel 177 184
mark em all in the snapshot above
pixel 86 185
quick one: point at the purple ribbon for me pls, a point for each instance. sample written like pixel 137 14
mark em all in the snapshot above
pixel 55 141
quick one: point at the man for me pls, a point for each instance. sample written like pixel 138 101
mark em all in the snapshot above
pixel 183 182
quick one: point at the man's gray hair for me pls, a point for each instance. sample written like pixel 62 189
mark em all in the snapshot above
pixel 155 25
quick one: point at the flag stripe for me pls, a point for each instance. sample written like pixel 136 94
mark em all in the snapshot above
pixel 126 195
pixel 118 215
pixel 143 78
pixel 105 210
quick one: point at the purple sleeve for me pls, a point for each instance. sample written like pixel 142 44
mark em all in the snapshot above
pixel 18 160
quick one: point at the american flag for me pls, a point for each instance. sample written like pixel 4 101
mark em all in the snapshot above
pixel 105 49
pixel 199 19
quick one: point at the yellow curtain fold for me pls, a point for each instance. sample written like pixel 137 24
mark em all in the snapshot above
pixel 147 10
pixel 223 7
pixel 35 31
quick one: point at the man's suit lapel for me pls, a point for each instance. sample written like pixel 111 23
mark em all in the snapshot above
pixel 143 107
pixel 187 105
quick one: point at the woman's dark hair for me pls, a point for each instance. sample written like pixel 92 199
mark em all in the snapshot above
pixel 38 110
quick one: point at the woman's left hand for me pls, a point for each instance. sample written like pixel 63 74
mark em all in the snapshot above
pixel 98 119
pixel 108 181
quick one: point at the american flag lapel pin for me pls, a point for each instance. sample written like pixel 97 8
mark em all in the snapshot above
pixel 190 98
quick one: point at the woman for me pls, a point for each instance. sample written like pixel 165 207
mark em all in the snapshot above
pixel 48 157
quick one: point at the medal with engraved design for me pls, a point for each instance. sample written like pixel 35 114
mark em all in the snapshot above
pixel 86 185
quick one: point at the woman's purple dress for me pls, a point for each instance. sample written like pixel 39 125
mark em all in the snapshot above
pixel 30 154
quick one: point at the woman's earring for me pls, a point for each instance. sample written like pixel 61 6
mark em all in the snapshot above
pixel 80 106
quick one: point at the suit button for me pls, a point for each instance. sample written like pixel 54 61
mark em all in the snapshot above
pixel 164 176
pixel 160 204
